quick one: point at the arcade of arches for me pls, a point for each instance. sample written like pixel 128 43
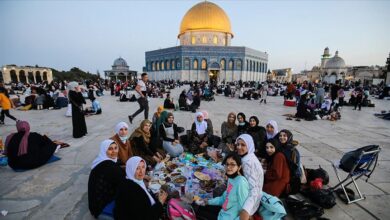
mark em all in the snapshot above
pixel 25 74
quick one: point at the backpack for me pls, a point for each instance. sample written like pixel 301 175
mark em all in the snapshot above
pixel 349 159
pixel 321 197
pixel 313 174
pixel 179 210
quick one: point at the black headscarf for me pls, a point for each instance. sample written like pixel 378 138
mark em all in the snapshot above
pixel 276 144
pixel 256 127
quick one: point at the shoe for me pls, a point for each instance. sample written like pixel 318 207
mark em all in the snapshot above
pixel 1 122
pixel 131 119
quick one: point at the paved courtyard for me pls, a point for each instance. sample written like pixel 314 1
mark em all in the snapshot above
pixel 59 190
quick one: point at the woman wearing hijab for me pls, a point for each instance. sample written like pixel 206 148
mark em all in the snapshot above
pixel 170 136
pixel 121 139
pixel 28 150
pixel 253 172
pixel 277 176
pixel 199 135
pixel 77 100
pixel 258 134
pixel 233 198
pixel 133 200
pixel 141 143
pixel 243 125
pixel 104 179
pixel 156 116
pixel 229 133
pixel 272 130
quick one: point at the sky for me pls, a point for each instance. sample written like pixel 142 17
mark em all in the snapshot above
pixel 92 34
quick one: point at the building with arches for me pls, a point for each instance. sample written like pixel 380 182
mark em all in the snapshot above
pixel 120 71
pixel 205 51
pixel 25 74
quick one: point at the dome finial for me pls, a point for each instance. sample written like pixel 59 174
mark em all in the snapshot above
pixel 337 53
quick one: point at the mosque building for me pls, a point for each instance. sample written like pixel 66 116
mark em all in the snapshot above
pixel 205 51
pixel 120 71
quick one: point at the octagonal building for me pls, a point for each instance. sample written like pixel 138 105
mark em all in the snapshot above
pixel 205 51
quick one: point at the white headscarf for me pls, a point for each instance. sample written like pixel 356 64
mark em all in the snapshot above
pixel 326 104
pixel 248 141
pixel 200 126
pixel 103 153
pixel 276 131
pixel 72 85
pixel 131 168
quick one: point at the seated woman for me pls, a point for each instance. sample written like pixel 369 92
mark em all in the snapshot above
pixel 272 130
pixel 288 148
pixel 28 150
pixel 242 124
pixel 233 199
pixel 141 142
pixel 96 109
pixel 121 139
pixel 199 135
pixel 104 179
pixel 302 109
pixel 133 200
pixel 277 175
pixel 253 172
pixel 170 136
pixel 168 102
pixel 258 134
pixel 211 138
pixel 183 105
pixel 229 133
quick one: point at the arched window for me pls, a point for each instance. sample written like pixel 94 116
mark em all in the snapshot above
pixel 204 40
pixel 195 64
pixel 22 76
pixel 173 64
pixel 178 64
pixel 215 39
pixel 153 66
pixel 167 63
pixel 157 65
pixel 223 64
pixel 186 63
pixel 231 64
pixel 1 77
pixel 204 64
pixel 247 65
pixel 148 66
pixel 193 40
pixel 162 65
pixel 239 64
pixel 14 77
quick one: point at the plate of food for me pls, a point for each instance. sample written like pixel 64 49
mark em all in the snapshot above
pixel 180 179
pixel 202 176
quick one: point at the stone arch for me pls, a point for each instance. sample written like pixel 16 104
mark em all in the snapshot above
pixel 14 77
pixel 30 77
pixel 167 65
pixel 173 64
pixel 22 76
pixel 38 76
pixel 186 63
pixel 1 77
pixel 44 76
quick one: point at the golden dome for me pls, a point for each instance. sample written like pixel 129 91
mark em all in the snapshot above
pixel 205 16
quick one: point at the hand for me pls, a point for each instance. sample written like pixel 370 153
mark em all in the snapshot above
pixel 158 160
pixel 244 215
pixel 162 196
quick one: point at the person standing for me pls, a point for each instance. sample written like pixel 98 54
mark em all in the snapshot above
pixel 264 93
pixel 77 100
pixel 6 104
pixel 142 98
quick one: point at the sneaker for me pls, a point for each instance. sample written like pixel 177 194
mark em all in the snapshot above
pixel 131 119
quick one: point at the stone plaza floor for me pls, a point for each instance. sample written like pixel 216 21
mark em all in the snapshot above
pixel 59 190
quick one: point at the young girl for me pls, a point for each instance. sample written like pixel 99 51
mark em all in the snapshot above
pixel 6 104
pixel 277 175
pixel 233 199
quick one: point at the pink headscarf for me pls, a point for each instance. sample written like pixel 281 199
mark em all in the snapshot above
pixel 21 126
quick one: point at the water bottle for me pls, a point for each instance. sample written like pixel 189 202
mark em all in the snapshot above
pixel 189 185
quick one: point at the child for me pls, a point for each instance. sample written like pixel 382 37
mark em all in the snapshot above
pixel 6 105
